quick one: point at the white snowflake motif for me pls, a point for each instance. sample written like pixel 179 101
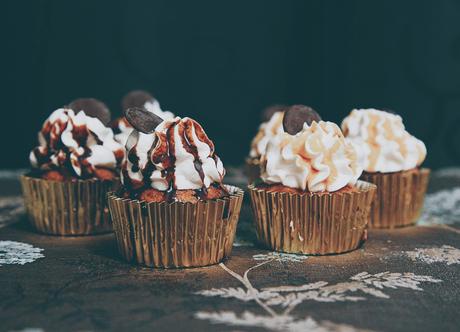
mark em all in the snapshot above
pixel 12 252
pixel 365 283
pixel 271 299
pixel 445 254
pixel 279 257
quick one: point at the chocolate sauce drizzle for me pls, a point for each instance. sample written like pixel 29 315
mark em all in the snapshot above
pixel 55 147
pixel 163 152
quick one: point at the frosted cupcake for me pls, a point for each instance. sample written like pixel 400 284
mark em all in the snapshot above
pixel 309 199
pixel 137 98
pixel 391 158
pixel 272 125
pixel 173 209
pixel 75 164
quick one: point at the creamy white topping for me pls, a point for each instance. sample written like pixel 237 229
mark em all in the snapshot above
pixel 385 144
pixel 179 155
pixel 154 107
pixel 76 142
pixel 123 129
pixel 317 158
pixel 267 130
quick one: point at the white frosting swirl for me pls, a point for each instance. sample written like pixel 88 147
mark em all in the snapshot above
pixel 123 129
pixel 76 142
pixel 179 155
pixel 317 158
pixel 267 130
pixel 385 144
pixel 154 107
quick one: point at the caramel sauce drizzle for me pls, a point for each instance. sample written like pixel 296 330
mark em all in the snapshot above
pixel 389 135
pixel 371 140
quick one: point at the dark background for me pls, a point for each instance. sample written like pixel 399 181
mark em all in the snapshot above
pixel 221 62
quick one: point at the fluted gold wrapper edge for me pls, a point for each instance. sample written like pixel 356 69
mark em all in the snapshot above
pixel 312 223
pixel 399 197
pixel 176 235
pixel 67 208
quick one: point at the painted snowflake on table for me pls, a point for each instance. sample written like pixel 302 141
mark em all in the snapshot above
pixel 12 252
pixel 445 254
pixel 280 257
pixel 279 302
pixel 364 283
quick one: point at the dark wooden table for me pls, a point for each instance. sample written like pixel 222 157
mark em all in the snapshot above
pixel 400 280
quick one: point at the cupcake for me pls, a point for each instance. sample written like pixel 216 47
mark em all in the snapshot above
pixel 272 125
pixel 173 209
pixel 308 199
pixel 75 165
pixel 391 158
pixel 136 98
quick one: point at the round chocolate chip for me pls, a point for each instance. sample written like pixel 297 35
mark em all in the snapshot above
pixel 142 120
pixel 92 107
pixel 269 111
pixel 136 98
pixel 296 115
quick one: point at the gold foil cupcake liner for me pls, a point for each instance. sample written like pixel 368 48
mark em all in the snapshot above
pixel 312 223
pixel 173 235
pixel 67 208
pixel 252 169
pixel 399 198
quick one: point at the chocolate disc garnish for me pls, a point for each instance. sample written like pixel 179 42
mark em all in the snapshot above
pixel 136 98
pixel 142 120
pixel 92 107
pixel 269 111
pixel 296 116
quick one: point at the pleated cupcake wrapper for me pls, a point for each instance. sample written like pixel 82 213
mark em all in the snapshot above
pixel 252 169
pixel 68 208
pixel 399 198
pixel 173 235
pixel 312 223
